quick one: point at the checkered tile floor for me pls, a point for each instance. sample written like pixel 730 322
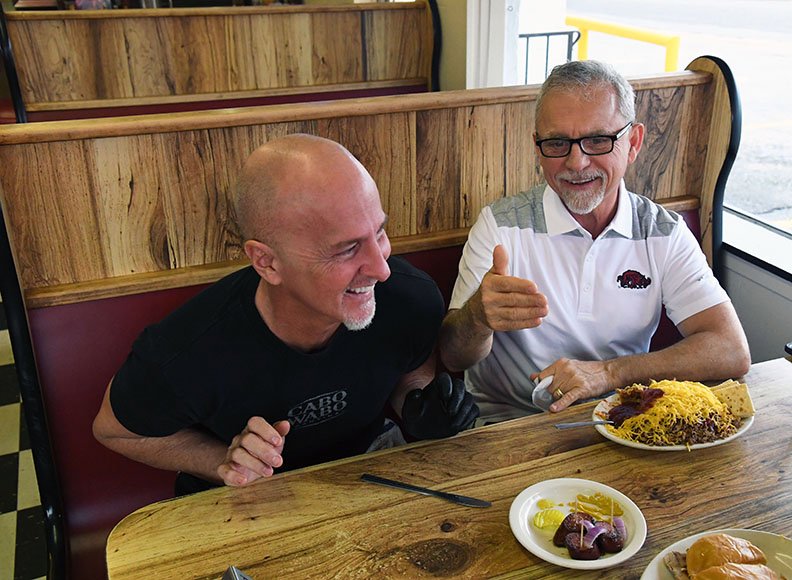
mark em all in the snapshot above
pixel 23 553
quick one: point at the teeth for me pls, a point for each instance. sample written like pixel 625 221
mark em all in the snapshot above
pixel 362 290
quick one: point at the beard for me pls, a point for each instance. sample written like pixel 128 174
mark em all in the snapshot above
pixel 582 203
pixel 361 320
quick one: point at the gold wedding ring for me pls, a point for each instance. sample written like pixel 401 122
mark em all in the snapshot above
pixel 558 393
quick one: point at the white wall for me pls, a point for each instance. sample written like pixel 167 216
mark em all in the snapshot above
pixel 764 304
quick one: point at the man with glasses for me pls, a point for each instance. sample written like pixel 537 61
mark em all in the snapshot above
pixel 564 285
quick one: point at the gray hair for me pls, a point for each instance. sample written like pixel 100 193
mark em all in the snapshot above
pixel 583 77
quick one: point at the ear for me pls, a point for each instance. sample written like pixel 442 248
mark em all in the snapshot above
pixel 636 141
pixel 264 260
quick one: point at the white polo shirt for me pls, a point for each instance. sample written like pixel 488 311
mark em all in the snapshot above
pixel 604 295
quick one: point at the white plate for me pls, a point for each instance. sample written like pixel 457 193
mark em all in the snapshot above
pixel 778 550
pixel 601 410
pixel 565 490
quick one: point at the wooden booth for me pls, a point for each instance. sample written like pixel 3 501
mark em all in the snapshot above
pixel 69 64
pixel 112 223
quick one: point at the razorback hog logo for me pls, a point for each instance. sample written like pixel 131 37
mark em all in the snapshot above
pixel 633 279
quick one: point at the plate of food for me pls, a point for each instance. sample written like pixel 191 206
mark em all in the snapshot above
pixel 676 415
pixel 563 520
pixel 724 554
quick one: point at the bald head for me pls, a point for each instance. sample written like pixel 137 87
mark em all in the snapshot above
pixel 285 173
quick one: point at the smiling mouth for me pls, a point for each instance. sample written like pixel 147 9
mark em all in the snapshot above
pixel 360 290
pixel 584 181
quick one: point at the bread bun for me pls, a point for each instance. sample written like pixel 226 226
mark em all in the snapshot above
pixel 717 549
pixel 734 571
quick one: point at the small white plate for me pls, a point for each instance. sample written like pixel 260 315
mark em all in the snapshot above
pixel 565 490
pixel 601 411
pixel 778 550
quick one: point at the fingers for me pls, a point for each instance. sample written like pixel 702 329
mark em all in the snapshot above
pixel 255 452
pixel 566 400
pixel 266 432
pixel 282 427
pixel 508 302
pixel 500 261
pixel 453 394
pixel 468 413
pixel 513 311
pixel 235 475
pixel 445 387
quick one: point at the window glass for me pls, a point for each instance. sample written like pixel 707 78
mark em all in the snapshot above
pixel 755 39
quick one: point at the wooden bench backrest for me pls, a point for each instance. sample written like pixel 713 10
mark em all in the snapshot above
pixel 114 222
pixel 90 60
pixel 115 206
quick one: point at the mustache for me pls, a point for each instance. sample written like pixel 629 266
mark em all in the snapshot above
pixel 580 176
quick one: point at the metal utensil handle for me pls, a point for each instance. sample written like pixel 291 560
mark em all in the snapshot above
pixel 456 498
pixel 400 485
pixel 581 424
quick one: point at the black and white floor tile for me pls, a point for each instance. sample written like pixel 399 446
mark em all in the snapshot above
pixel 22 545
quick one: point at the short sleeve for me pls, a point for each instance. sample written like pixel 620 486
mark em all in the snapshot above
pixel 476 258
pixel 143 400
pixel 428 312
pixel 689 286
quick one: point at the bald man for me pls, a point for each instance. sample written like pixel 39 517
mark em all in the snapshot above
pixel 293 360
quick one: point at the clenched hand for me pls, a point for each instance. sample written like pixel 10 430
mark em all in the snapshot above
pixel 441 409
pixel 254 453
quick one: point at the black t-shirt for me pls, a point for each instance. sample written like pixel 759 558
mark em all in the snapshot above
pixel 213 363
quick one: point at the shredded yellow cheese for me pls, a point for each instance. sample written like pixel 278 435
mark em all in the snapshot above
pixel 600 506
pixel 687 413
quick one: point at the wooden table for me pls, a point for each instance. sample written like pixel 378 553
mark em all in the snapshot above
pixel 323 522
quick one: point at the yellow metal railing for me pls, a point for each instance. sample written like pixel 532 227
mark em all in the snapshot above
pixel 585 25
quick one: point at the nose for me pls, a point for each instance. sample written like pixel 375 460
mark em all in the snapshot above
pixel 576 159
pixel 376 265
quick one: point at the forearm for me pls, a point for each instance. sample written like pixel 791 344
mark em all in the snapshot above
pixel 464 340
pixel 189 450
pixel 703 356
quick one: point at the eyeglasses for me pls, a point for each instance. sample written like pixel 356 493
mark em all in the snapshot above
pixel 594 145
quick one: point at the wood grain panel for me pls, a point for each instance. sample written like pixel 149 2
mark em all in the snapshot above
pixel 121 205
pixel 397 44
pixel 384 144
pixel 483 160
pixel 113 41
pixel 132 213
pixel 47 66
pixel 522 162
pixel 338 49
pixel 89 128
pixel 53 219
pixel 652 174
pixel 438 169
pixel 67 61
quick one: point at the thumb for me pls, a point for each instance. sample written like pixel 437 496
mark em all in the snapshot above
pixel 500 261
pixel 282 427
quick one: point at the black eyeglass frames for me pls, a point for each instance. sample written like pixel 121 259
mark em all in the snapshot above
pixel 594 145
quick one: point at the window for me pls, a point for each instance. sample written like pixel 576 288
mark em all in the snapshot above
pixel 756 44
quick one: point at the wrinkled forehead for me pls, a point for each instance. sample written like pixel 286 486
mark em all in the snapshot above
pixel 565 111
pixel 331 205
